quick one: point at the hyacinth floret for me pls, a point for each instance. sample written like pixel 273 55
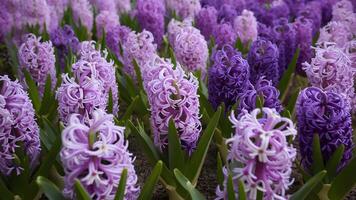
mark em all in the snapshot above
pixel 245 26
pixel 96 153
pixel 224 34
pixel 105 21
pixel 18 127
pixel 39 60
pixel 206 20
pixel 260 145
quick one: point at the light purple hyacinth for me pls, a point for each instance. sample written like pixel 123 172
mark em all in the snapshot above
pixel 184 8
pixel 17 127
pixel 331 70
pixel 261 154
pixel 93 64
pixel 174 27
pixel 82 13
pixel 245 26
pixel 123 6
pixel 224 34
pixel 95 152
pixel 191 49
pixel 138 46
pixel 57 8
pixel 39 60
pixel 35 12
pixel 206 20
pixel 172 95
pixel 104 5
pixel 342 11
pixel 105 21
pixel 227 14
pixel 336 32
pixel 115 38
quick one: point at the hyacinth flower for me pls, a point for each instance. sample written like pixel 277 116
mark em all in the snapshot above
pixel 115 38
pixel 105 21
pixel 265 90
pixel 328 115
pixel 123 6
pixel 82 13
pixel 206 20
pixel 304 39
pixel 93 64
pixel 172 94
pixel 263 60
pixel 331 70
pixel 96 153
pixel 228 77
pixel 343 11
pixel 191 49
pixel 38 59
pixel 245 26
pixel 312 11
pixel 139 47
pixel 227 14
pixel 184 8
pixel 336 32
pixel 150 15
pixel 261 155
pixel 224 34
pixel 174 27
pixel 18 127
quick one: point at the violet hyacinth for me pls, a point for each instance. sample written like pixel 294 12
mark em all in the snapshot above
pixel 38 59
pixel 304 39
pixel 174 27
pixel 263 60
pixel 228 77
pixel 245 26
pixel 312 11
pixel 265 90
pixel 105 21
pixel 267 13
pixel 224 34
pixel 95 152
pixel 260 144
pixel 343 11
pixel 82 13
pixel 336 32
pixel 123 6
pixel 325 114
pixel 184 8
pixel 173 95
pixel 17 126
pixel 227 14
pixel 206 20
pixel 191 49
pixel 150 15
pixel 115 38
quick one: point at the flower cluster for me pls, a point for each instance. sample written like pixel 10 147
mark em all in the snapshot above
pixel 228 77
pixel 227 13
pixel 105 21
pixel 150 15
pixel 224 34
pixel 245 26
pixel 96 153
pixel 304 38
pixel 325 114
pixel 82 13
pixel 343 11
pixel 206 20
pixel 184 8
pixel 263 60
pixel 115 38
pixel 312 11
pixel 267 14
pixel 264 156
pixel 18 128
pixel 173 95
pixel 174 27
pixel 336 32
pixel 38 59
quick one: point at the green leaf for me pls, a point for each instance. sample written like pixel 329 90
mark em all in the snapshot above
pixel 259 195
pixel 308 187
pixel 47 96
pixel 172 56
pixel 110 102
pixel 138 73
pixel 103 40
pixel 176 154
pixel 224 123
pixel 343 182
pixel 49 189
pixel 333 162
pixel 151 181
pixel 80 191
pixel 4 191
pixel 230 188
pixel 286 79
pixel 186 184
pixel 130 85
pixel 130 109
pixel 32 90
pixel 219 173
pixel 120 192
pixel 318 163
pixel 193 169
pixel 242 193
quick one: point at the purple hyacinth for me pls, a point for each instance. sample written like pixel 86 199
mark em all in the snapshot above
pixel 104 5
pixel 206 20
pixel 184 8
pixel 17 127
pixel 228 77
pixel 150 15
pixel 267 13
pixel 115 38
pixel 93 64
pixel 105 21
pixel 224 34
pixel 261 145
pixel 227 14
pixel 123 6
pixel 325 114
pixel 172 95
pixel 191 49
pixel 331 70
pixel 82 13
pixel 38 59
pixel 263 60
pixel 304 39
pixel 343 11
pixel 174 27
pixel 95 152
pixel 265 90
pixel 245 26
pixel 336 32
pixel 312 11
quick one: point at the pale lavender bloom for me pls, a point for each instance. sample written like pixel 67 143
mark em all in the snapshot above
pixel 35 12
pixel 245 26
pixel 82 13
pixel 123 6
pixel 39 60
pixel 57 8
pixel 105 21
pixel 343 11
pixel 224 34
pixel 104 5
pixel 174 27
pixel 336 32
pixel 260 145
pixel 184 8
pixel 97 163
pixel 17 127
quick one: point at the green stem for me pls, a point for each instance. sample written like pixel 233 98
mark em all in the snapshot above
pixel 173 194
pixel 323 194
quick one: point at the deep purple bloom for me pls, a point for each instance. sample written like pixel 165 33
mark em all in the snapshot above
pixel 263 60
pixel 39 60
pixel 115 38
pixel 224 34
pixel 228 77
pixel 227 14
pixel 304 39
pixel 267 13
pixel 263 89
pixel 260 155
pixel 325 114
pixel 206 20
pixel 312 11
pixel 96 153
pixel 17 127
pixel 150 15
